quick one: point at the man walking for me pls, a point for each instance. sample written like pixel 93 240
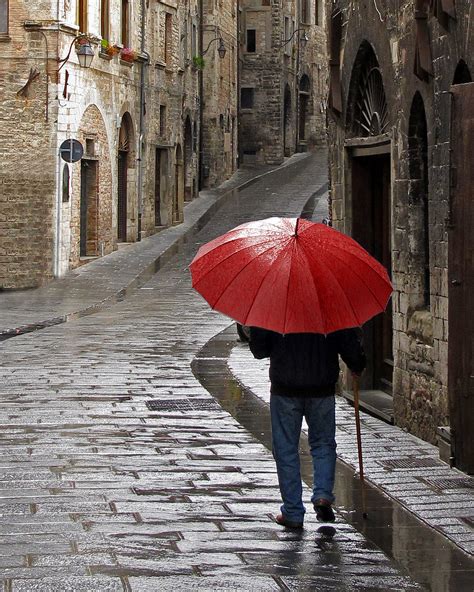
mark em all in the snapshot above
pixel 304 369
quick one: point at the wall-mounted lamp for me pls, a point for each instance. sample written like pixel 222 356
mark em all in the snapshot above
pixel 221 49
pixel 303 40
pixel 84 51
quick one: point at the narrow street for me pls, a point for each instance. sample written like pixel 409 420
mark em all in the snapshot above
pixel 121 472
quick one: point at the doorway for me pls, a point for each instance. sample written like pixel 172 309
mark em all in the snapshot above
pixel 461 278
pixel 88 209
pixel 371 227
pixel 122 196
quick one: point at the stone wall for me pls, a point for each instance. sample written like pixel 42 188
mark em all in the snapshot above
pixel 269 129
pixel 420 305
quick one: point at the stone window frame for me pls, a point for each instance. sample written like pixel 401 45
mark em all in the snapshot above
pixel 305 12
pixel 251 94
pixel 247 42
pixel 4 18
pixel 168 39
pixel 319 13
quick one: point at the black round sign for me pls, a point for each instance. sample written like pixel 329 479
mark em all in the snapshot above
pixel 71 150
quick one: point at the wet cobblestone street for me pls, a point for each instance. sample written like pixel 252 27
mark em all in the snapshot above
pixel 121 472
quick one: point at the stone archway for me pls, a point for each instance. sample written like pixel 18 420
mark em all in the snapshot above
pixel 91 207
pixel 367 110
pixel 418 214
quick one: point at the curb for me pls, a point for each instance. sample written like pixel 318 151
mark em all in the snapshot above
pixel 150 269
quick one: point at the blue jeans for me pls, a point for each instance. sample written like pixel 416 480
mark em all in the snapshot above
pixel 287 416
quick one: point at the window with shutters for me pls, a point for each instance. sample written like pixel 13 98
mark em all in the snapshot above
pixel 105 19
pixel 81 16
pixel 125 23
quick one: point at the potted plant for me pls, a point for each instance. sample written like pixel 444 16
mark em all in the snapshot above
pixel 109 48
pixel 128 55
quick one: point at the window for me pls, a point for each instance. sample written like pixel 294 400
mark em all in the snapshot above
pixel 318 13
pixel 251 44
pixel 162 120
pixel 105 18
pixel 247 98
pixel 168 37
pixel 81 16
pixel 125 23
pixel 3 17
pixel 304 17
pixel 288 30
pixel 65 187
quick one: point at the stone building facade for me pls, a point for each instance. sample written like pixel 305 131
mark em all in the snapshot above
pixel 400 136
pixel 136 111
pixel 219 93
pixel 282 78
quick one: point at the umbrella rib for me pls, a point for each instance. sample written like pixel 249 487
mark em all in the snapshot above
pixel 237 275
pixel 355 273
pixel 234 252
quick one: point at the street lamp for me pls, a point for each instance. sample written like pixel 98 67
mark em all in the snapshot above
pixel 303 40
pixel 84 51
pixel 221 49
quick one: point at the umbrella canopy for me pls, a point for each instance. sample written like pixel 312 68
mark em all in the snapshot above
pixel 291 275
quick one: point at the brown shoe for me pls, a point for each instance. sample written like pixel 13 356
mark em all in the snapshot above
pixel 280 519
pixel 324 511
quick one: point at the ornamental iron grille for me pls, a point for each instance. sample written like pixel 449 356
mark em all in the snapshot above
pixel 367 109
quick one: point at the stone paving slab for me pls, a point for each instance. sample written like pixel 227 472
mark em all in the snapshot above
pixel 448 508
pixel 74 409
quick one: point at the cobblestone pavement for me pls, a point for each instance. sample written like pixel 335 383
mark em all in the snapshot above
pixel 119 470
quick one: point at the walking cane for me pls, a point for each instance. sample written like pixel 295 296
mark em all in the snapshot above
pixel 355 386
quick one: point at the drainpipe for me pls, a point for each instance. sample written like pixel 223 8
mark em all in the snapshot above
pixel 142 130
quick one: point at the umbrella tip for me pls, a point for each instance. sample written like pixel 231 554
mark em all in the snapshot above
pixel 296 226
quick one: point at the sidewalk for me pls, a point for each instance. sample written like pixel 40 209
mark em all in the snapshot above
pixel 404 467
pixel 103 282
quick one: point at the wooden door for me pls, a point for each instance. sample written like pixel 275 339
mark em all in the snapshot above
pixel 461 278
pixel 122 196
pixel 371 227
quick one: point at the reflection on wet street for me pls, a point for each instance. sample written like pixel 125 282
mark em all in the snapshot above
pixel 418 550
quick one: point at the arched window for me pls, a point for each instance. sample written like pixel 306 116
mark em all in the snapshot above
pixel 419 199
pixel 462 74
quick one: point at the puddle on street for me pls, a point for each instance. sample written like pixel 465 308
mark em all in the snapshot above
pixel 428 557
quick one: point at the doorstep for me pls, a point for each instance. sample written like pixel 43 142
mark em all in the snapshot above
pixel 374 402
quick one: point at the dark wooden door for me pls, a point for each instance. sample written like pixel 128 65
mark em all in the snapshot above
pixel 83 208
pixel 371 227
pixel 122 196
pixel 461 278
pixel 158 187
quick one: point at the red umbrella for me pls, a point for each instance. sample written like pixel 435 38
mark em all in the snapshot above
pixel 291 275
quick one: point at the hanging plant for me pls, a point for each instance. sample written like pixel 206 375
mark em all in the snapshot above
pixel 198 62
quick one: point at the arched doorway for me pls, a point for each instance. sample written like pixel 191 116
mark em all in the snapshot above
pixel 287 122
pixel 370 187
pixel 418 214
pixel 123 163
pixel 304 96
pixel 188 159
pixel 178 200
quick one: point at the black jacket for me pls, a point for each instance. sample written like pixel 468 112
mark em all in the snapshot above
pixel 307 364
